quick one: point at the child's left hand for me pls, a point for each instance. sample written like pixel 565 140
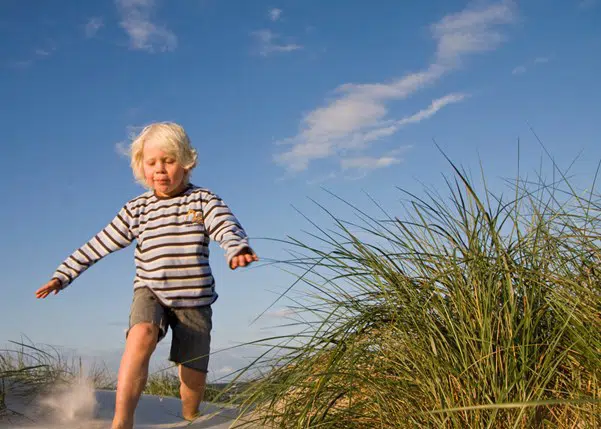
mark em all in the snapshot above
pixel 244 258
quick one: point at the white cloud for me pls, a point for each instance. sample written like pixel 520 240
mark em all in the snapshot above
pixel 519 70
pixel 363 164
pixel 343 128
pixel 92 26
pixel 358 115
pixel 275 14
pixel 282 313
pixel 434 107
pixel 20 64
pixel 321 179
pixel 43 52
pixel 48 50
pixel 122 147
pixel 368 162
pixel 224 370
pixel 470 31
pixel 268 43
pixel 38 54
pixel 144 34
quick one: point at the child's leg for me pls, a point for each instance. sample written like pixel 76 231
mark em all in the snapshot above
pixel 147 325
pixel 190 348
pixel 133 371
pixel 192 389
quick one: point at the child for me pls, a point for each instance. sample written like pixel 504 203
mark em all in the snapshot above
pixel 172 224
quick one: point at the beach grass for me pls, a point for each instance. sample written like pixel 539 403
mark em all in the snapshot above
pixel 28 369
pixel 469 309
pixel 165 382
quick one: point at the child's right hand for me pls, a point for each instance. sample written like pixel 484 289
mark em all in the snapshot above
pixel 52 286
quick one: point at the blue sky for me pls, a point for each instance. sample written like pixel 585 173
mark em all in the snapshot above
pixel 280 98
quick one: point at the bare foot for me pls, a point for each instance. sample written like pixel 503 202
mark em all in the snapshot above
pixel 192 418
pixel 122 425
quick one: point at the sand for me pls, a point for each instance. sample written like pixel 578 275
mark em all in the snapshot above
pixel 79 406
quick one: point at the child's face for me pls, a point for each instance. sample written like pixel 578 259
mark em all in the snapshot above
pixel 161 170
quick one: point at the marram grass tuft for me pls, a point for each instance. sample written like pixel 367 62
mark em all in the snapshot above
pixel 470 311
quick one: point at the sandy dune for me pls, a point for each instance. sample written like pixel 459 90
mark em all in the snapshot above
pixel 79 407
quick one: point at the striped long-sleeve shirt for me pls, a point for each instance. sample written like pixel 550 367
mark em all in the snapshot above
pixel 172 250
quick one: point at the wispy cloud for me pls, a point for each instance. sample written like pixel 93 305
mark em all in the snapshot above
pixel 269 43
pixel 369 162
pixel 282 313
pixel 521 69
pixel 36 55
pixel 274 14
pixel 360 166
pixel 92 26
pixel 224 370
pixel 358 116
pixel 470 31
pixel 20 64
pixel 122 147
pixel 321 179
pixel 43 52
pixel 144 34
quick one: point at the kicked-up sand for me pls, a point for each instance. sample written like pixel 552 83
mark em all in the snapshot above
pixel 79 406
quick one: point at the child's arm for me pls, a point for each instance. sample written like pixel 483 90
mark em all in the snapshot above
pixel 223 227
pixel 115 236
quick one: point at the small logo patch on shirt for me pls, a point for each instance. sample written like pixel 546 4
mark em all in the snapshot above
pixel 195 217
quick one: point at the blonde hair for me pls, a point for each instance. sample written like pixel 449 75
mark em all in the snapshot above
pixel 172 138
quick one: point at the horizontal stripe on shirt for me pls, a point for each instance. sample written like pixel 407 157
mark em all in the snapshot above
pixel 172 249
